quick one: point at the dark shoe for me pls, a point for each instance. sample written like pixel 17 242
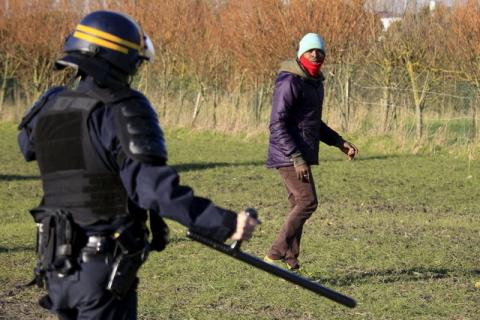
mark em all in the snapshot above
pixel 276 262
pixel 282 263
pixel 292 265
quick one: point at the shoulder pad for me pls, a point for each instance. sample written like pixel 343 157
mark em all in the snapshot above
pixel 110 96
pixel 37 106
pixel 139 131
pixel 138 94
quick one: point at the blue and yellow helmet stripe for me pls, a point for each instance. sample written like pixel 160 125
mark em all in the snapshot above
pixel 104 39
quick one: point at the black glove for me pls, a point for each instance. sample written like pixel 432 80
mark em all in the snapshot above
pixel 160 232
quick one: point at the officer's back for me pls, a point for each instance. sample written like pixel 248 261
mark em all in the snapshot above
pixel 102 159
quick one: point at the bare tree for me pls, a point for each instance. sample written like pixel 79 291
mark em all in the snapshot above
pixel 464 45
pixel 417 38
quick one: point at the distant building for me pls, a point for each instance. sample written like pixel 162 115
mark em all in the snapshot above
pixel 387 18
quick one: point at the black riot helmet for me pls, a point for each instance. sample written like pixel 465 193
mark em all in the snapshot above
pixel 107 37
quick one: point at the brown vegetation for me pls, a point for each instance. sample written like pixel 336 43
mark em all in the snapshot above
pixel 217 59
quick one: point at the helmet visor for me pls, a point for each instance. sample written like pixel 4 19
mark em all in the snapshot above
pixel 149 50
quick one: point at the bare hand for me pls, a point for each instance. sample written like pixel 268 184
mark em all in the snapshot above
pixel 303 172
pixel 245 227
pixel 349 149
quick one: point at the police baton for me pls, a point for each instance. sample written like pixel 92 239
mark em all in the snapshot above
pixel 233 250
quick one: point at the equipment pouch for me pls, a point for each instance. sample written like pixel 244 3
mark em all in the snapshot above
pixel 56 235
pixel 134 250
pixel 124 272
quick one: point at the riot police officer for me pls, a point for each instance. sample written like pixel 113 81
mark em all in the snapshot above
pixel 102 159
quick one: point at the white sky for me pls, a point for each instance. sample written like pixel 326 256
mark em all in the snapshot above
pixel 399 6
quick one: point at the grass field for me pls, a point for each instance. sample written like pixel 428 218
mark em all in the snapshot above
pixel 399 233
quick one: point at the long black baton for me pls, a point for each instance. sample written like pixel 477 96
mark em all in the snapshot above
pixel 234 251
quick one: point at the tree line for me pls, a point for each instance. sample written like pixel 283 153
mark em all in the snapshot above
pixel 216 60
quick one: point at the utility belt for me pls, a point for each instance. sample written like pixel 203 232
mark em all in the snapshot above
pixel 98 247
pixel 62 246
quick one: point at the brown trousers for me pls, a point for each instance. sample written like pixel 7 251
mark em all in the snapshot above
pixel 303 202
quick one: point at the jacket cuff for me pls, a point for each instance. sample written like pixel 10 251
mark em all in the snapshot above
pixel 230 222
pixel 215 223
pixel 297 159
pixel 229 225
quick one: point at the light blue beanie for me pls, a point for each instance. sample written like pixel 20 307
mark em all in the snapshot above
pixel 310 41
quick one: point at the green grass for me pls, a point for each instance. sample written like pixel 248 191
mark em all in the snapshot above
pixel 399 233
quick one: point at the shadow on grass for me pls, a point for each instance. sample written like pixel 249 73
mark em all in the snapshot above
pixel 370 157
pixel 174 240
pixel 16 249
pixel 383 157
pixel 184 167
pixel 393 275
pixel 11 177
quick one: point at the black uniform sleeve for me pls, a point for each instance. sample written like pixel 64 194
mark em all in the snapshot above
pixel 157 187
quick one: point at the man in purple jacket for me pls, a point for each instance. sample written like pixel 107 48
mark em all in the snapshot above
pixel 296 129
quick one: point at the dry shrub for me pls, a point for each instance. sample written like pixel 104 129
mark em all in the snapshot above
pixel 32 36
pixel 217 59
pixel 207 42
pixel 464 44
pixel 261 33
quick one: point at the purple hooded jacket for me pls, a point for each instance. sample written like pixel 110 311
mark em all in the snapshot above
pixel 296 120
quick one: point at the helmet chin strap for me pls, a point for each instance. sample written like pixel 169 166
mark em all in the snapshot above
pixel 104 74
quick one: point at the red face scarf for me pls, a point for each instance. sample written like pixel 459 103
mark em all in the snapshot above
pixel 313 68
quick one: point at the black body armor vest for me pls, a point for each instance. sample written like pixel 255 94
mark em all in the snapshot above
pixel 74 176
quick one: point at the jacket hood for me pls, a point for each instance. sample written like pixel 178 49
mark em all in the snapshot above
pixel 293 66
